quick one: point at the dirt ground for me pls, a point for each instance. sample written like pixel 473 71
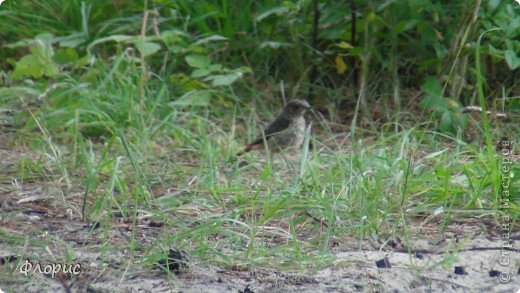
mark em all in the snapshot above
pixel 465 257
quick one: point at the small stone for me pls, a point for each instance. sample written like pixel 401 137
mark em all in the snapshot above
pixel 459 270
pixel 246 290
pixel 383 263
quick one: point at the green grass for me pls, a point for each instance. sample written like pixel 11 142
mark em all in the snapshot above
pixel 115 138
pixel 176 165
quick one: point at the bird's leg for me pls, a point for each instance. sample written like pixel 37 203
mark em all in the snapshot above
pixel 270 158
pixel 287 161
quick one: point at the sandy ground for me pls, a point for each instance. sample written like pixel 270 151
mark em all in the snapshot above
pixel 465 257
pixel 354 271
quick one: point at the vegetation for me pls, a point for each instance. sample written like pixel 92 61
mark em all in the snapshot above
pixel 134 110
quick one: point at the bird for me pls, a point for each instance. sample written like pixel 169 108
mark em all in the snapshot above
pixel 287 130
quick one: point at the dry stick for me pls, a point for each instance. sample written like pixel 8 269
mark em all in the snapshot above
pixel 354 44
pixel 365 62
pixel 459 81
pixel 143 36
pixel 143 65
pixel 282 91
pixel 322 222
pixel 155 14
pixel 469 109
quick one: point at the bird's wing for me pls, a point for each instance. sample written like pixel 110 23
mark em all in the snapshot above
pixel 279 124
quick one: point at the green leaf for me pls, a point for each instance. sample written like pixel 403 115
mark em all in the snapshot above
pixel 276 10
pixel 38 63
pixel 186 83
pixel 65 55
pixel 193 98
pixel 47 37
pixel 42 50
pixel 215 67
pixel 211 39
pixel 114 38
pixel 274 45
pixel 244 69
pixel 434 154
pixel 418 5
pixel 493 4
pixel 173 38
pixel 177 49
pixel 403 26
pixel 73 40
pixel 200 72
pixel 432 86
pixel 448 122
pixel 433 99
pixel 82 61
pixel 198 61
pixel 72 43
pixel 494 52
pixel 223 80
pixel 341 66
pixel 344 45
pixel 512 59
pixel 21 43
pixel 147 48
pixel 513 29
pixel 435 103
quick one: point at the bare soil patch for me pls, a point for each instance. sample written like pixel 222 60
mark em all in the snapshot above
pixel 41 225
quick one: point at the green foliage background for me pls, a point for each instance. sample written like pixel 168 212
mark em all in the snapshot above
pixel 398 43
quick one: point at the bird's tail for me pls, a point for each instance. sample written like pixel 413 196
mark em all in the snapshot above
pixel 247 149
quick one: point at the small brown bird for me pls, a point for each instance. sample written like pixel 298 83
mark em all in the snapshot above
pixel 285 132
